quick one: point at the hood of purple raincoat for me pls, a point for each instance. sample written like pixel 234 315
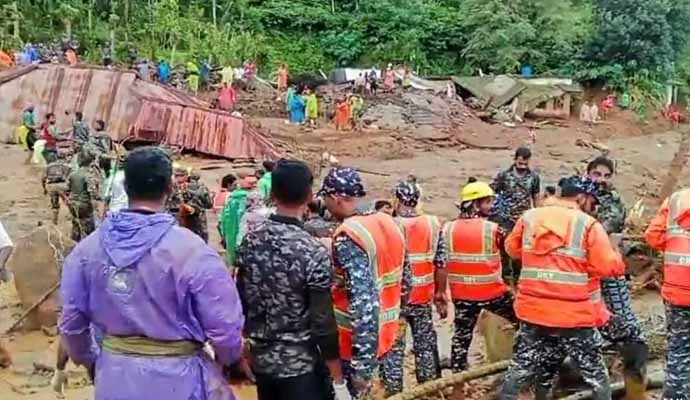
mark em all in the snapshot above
pixel 127 236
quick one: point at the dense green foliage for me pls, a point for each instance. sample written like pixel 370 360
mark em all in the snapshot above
pixel 616 41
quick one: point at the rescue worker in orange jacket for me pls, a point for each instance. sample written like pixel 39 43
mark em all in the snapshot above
pixel 474 267
pixel 428 285
pixel 372 272
pixel 564 252
pixel 669 231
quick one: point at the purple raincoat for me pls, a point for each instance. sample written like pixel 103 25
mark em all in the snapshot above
pixel 140 274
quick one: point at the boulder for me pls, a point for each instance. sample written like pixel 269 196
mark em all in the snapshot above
pixel 36 264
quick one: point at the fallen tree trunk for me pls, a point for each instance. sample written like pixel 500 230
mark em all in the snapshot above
pixel 432 387
pixel 655 381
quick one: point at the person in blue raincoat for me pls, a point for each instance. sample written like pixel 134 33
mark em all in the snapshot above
pixel 297 106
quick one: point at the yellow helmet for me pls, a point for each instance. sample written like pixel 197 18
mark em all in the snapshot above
pixel 476 190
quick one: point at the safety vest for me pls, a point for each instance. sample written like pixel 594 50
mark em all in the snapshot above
pixel 422 241
pixel 383 241
pixel 474 260
pixel 676 287
pixel 554 288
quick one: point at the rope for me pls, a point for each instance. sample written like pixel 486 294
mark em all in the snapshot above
pixel 432 387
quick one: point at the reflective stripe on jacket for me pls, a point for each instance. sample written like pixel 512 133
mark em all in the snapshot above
pixel 474 260
pixel 556 288
pixel 383 241
pixel 422 234
pixel 676 287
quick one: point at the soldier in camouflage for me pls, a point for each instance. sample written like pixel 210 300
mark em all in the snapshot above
pixel 284 281
pixel 83 192
pixel 175 200
pixel 547 330
pixel 342 189
pixel 196 200
pixel 517 190
pixel 55 183
pixel 419 316
pixel 623 330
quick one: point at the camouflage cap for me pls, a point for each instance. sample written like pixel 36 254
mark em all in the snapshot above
pixel 580 184
pixel 343 181
pixel 407 194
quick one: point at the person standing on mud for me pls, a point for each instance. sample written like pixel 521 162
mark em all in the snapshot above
pixel 470 248
pixel 196 200
pixel 55 183
pixel 565 252
pixel 157 294
pixel 83 192
pixel 293 331
pixel 517 190
pixel 623 329
pixel 373 279
pixel 429 280
pixel 669 231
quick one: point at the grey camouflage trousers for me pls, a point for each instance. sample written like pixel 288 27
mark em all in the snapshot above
pixel 677 385
pixel 425 349
pixel 466 315
pixel 623 330
pixel 534 344
pixel 390 369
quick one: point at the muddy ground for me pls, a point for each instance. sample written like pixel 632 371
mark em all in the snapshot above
pixel 442 164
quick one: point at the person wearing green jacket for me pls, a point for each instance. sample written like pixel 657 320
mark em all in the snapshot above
pixel 230 218
pixel 312 107
pixel 264 184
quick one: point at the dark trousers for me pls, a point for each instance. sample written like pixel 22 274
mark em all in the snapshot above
pixel 466 315
pixel 309 386
pixel 536 344
pixel 677 385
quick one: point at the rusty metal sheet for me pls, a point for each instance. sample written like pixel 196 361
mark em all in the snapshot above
pixel 129 106
pixel 207 132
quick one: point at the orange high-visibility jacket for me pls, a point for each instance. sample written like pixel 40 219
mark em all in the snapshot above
pixel 422 234
pixel 564 252
pixel 669 231
pixel 474 259
pixel 383 241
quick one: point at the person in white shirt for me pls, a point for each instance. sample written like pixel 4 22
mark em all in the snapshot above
pixel 115 195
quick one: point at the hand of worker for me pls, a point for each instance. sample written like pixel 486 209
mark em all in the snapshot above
pixel 341 391
pixel 441 305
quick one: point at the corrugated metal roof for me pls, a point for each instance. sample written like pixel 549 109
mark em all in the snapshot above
pixel 129 106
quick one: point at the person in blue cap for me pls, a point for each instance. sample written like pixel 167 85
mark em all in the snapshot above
pixel 373 278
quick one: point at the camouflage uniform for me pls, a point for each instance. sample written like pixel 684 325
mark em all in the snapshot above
pixel 364 301
pixel 623 328
pixel 197 195
pixel 515 194
pixel 677 385
pixel 467 313
pixel 319 227
pixel 279 267
pixel 54 184
pixel 424 338
pixel 82 186
pixel 534 344
pixel 363 295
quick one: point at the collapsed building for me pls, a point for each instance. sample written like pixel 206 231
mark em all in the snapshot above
pixel 523 97
pixel 133 109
